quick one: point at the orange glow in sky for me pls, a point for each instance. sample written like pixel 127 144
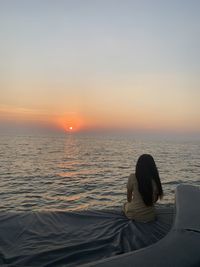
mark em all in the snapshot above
pixel 71 122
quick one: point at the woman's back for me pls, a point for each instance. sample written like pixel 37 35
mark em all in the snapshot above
pixel 136 209
pixel 143 190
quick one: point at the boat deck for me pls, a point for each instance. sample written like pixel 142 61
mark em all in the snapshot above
pixel 179 248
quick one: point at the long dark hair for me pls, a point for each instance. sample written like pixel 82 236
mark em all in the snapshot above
pixel 146 171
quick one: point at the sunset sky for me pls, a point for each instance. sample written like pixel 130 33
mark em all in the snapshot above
pixel 97 65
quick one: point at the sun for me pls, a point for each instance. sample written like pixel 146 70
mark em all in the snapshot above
pixel 70 128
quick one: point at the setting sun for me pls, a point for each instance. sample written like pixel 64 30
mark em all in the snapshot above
pixel 70 122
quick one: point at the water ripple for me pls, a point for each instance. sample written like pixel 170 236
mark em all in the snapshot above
pixel 81 172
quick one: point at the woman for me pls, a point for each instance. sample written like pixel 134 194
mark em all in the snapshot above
pixel 143 190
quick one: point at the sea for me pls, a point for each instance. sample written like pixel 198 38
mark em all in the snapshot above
pixel 74 172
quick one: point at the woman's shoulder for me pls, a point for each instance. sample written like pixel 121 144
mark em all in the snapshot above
pixel 132 177
pixel 131 181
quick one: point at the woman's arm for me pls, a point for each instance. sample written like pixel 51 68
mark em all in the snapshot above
pixel 155 192
pixel 130 188
pixel 129 195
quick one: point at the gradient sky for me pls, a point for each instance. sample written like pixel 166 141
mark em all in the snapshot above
pixel 100 64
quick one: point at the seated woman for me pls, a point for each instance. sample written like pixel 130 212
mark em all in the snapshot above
pixel 143 190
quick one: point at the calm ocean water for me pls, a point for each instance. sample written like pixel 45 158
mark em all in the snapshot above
pixel 75 172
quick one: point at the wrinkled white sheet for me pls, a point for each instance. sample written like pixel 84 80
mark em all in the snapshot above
pixel 73 238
